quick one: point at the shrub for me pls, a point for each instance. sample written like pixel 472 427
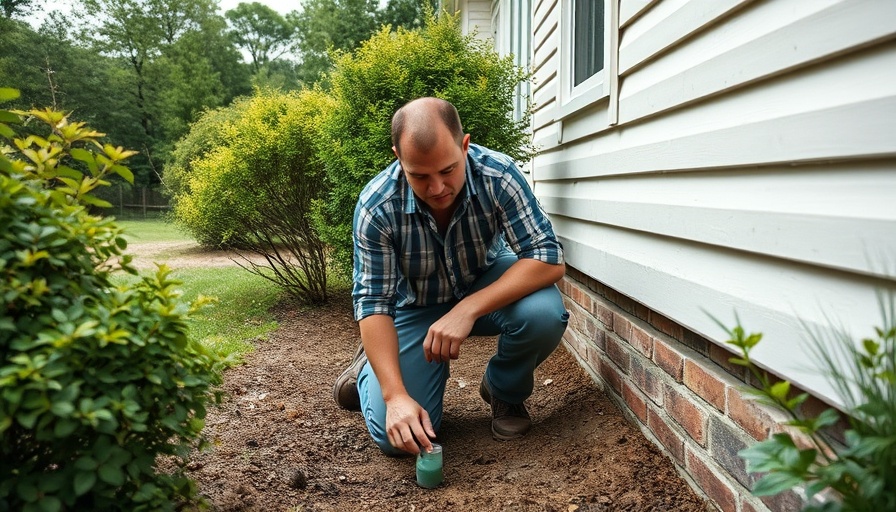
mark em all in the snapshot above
pixel 254 189
pixel 862 472
pixel 386 72
pixel 205 134
pixel 97 381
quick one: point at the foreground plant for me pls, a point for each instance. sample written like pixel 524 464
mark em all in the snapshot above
pixel 862 471
pixel 96 381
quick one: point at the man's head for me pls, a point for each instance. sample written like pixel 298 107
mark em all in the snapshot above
pixel 430 144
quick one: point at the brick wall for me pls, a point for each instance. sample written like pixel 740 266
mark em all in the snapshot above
pixel 677 387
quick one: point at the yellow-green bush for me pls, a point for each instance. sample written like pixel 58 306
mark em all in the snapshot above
pixel 390 69
pixel 97 381
pixel 253 188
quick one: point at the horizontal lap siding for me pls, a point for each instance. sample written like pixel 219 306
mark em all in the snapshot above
pixel 752 169
pixel 545 63
pixel 477 17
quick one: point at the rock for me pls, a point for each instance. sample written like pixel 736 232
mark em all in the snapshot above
pixel 298 480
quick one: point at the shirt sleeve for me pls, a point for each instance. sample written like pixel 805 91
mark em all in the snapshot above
pixel 374 273
pixel 527 228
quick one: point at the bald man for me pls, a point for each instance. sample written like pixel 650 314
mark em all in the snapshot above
pixel 449 242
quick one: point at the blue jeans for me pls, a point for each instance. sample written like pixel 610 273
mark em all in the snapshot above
pixel 530 329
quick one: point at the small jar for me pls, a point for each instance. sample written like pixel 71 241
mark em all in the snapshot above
pixel 429 467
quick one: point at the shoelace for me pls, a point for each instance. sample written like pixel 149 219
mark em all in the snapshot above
pixel 503 409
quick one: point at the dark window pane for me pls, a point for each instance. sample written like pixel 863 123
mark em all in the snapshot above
pixel 588 39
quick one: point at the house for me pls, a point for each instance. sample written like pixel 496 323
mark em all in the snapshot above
pixel 706 158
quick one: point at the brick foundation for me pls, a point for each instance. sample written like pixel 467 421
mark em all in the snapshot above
pixel 676 386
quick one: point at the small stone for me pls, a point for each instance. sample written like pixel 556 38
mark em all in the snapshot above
pixel 298 480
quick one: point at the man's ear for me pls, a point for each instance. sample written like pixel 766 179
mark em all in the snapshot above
pixel 395 150
pixel 465 144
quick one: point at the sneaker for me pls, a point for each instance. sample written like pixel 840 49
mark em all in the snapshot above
pixel 345 391
pixel 509 421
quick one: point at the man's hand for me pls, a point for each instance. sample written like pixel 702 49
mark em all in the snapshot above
pixel 445 336
pixel 407 425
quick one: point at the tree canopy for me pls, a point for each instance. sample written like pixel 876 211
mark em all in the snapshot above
pixel 11 8
pixel 261 31
pixel 143 70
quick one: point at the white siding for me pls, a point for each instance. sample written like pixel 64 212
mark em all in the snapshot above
pixel 476 16
pixel 752 166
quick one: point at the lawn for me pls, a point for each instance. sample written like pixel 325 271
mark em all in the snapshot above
pixel 241 313
pixel 144 231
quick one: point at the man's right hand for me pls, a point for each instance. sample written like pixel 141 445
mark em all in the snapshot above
pixel 407 425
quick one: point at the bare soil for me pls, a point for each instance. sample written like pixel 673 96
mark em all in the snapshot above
pixel 279 442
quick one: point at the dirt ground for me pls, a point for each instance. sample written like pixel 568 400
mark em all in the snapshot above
pixel 280 443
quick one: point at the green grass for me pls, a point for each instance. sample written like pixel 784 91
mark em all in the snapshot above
pixel 241 314
pixel 141 231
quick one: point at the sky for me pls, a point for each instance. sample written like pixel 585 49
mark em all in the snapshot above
pixel 281 6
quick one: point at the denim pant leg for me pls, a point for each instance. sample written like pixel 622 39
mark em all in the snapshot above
pixel 529 330
pixel 424 381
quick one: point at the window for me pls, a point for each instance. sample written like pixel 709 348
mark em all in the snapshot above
pixel 588 39
pixel 586 53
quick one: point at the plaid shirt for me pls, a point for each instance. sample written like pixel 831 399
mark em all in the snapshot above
pixel 401 259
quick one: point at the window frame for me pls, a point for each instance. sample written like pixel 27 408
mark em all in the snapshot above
pixel 574 98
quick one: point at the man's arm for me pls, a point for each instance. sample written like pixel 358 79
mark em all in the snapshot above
pixel 408 426
pixel 522 278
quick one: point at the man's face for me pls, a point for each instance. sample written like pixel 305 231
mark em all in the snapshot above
pixel 437 176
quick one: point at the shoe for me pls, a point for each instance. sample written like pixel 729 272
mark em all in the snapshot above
pixel 345 391
pixel 509 421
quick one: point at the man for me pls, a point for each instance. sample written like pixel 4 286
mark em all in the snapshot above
pixel 449 242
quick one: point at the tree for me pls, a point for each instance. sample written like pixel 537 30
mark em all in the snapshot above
pixel 261 31
pixel 406 13
pixel 12 8
pixel 326 25
pixel 176 55
pixel 138 30
pixel 50 70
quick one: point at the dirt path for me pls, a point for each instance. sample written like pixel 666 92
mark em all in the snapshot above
pixel 279 442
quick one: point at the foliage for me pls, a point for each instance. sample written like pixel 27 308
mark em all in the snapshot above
pixel 253 189
pixel 243 301
pixel 409 14
pixel 177 60
pixel 97 381
pixel 206 134
pixel 326 25
pixel 10 8
pixel 389 70
pixel 49 70
pixel 261 31
pixel 863 471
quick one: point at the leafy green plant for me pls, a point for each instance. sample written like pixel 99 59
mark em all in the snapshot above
pixel 254 190
pixel 97 381
pixel 862 470
pixel 391 68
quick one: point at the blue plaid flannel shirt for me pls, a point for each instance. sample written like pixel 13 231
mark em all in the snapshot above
pixel 401 259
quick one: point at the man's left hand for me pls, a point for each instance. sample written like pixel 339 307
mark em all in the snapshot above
pixel 444 337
